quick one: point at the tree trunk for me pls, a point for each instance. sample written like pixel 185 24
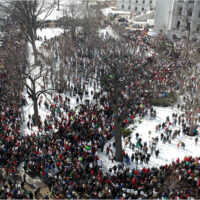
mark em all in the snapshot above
pixel 35 53
pixel 181 89
pixel 117 135
pixel 194 111
pixel 58 4
pixel 36 113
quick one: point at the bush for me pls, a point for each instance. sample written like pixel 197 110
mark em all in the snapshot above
pixel 76 108
pixel 165 101
pixel 133 128
pixel 191 135
pixel 73 111
pixel 87 100
pixel 126 132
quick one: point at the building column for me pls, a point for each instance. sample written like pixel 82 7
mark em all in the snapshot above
pixel 195 15
pixel 184 14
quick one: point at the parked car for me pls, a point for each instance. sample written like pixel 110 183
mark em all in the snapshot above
pixel 137 26
pixel 122 19
pixel 148 26
pixel 124 24
pixel 2 36
pixel 113 14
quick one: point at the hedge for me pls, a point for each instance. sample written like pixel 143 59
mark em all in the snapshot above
pixel 164 101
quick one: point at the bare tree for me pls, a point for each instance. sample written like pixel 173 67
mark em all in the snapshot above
pixel 184 17
pixel 58 4
pixel 91 23
pixel 188 74
pixel 27 14
pixel 37 83
pixel 194 55
pixel 184 56
pixel 34 77
pixel 35 88
pixel 72 12
pixel 119 77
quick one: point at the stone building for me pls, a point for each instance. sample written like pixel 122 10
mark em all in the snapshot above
pixel 178 17
pixel 136 6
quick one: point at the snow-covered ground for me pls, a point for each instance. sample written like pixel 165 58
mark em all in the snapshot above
pixel 153 34
pixel 49 33
pixel 107 11
pixel 108 31
pixel 168 152
pixel 56 14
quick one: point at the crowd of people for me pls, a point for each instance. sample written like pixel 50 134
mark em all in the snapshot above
pixel 10 108
pixel 65 155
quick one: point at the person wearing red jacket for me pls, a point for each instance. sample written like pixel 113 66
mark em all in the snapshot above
pixel 133 181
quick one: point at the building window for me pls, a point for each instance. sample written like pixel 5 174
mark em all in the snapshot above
pixel 135 8
pixel 188 27
pixel 150 2
pixel 198 29
pixel 143 1
pixel 178 25
pixel 129 7
pixel 136 1
pixel 190 12
pixel 142 9
pixel 180 10
pixel 199 13
pixel 122 6
pixel 191 1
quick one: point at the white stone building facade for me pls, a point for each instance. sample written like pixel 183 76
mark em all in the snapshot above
pixel 136 6
pixel 178 17
pixel 163 15
pixel 186 18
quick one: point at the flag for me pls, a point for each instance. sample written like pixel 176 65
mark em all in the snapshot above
pixel 87 147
